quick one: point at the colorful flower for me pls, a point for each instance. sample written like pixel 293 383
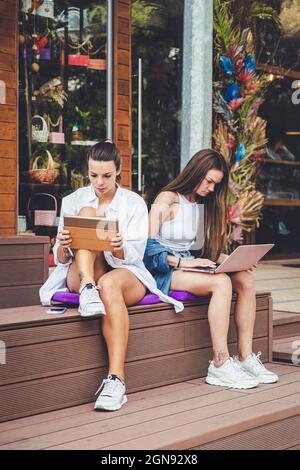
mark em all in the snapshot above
pixel 249 63
pixel 234 214
pixel 227 65
pixel 240 153
pixel 232 92
pixel 237 234
pixel 235 104
pixel 233 51
pixel 245 76
pixel 231 142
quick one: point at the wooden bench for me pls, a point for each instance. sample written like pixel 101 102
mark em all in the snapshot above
pixel 54 362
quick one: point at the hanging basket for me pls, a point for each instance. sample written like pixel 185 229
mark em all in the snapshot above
pixel 46 174
pixel 42 217
pixel 39 135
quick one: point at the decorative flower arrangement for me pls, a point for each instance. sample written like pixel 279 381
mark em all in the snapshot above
pixel 240 134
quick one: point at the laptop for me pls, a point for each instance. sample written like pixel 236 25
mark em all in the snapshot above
pixel 242 258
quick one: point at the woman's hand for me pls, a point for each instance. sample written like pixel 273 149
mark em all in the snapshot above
pixel 251 270
pixel 117 244
pixel 197 263
pixel 64 239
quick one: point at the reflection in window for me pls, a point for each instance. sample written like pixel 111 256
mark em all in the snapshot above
pixel 157 38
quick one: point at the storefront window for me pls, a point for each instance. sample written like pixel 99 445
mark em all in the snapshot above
pixel 157 45
pixel 62 101
pixel 278 47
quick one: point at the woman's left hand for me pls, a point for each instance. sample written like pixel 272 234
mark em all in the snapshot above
pixel 251 270
pixel 117 242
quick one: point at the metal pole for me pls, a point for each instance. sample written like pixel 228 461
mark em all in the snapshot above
pixel 140 113
pixel 110 71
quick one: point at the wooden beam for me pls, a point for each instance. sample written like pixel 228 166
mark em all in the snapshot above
pixel 122 84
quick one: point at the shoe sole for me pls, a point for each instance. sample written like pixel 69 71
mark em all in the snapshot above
pixel 90 314
pixel 113 407
pixel 273 381
pixel 218 382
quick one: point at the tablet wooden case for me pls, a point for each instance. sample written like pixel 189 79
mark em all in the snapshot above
pixel 91 233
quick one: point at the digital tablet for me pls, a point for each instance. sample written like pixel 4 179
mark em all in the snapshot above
pixel 91 233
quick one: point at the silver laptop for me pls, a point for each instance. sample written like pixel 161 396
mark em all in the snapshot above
pixel 242 258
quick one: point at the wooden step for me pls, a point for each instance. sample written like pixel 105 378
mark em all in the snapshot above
pixel 285 324
pixel 186 415
pixel 58 361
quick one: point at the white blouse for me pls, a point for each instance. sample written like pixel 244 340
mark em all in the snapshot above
pixel 131 211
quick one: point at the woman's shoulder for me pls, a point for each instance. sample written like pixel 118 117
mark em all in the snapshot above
pixel 78 194
pixel 131 195
pixel 166 197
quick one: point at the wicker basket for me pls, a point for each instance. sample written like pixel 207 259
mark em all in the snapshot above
pixel 42 217
pixel 39 135
pixel 46 174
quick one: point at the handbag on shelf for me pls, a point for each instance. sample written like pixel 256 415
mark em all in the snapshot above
pixel 40 216
pixel 47 172
pixel 39 134
pixel 56 137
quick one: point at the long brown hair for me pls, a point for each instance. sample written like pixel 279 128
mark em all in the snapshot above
pixel 215 203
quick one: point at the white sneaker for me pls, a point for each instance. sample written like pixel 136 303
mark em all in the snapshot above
pixel 255 368
pixel 90 302
pixel 112 395
pixel 230 375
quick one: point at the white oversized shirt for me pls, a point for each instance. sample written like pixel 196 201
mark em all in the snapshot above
pixel 131 212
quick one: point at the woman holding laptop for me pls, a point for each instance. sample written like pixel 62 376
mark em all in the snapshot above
pixel 174 226
pixel 108 281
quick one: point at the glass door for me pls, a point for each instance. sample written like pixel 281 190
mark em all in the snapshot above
pixel 157 43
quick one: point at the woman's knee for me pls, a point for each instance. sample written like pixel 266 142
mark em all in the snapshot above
pixel 244 282
pixel 222 282
pixel 109 287
pixel 87 212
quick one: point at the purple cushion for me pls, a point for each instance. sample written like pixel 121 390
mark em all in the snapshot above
pixel 66 297
pixel 182 295
pixel 149 299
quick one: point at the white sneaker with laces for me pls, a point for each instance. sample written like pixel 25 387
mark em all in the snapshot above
pixel 90 302
pixel 255 368
pixel 113 394
pixel 230 375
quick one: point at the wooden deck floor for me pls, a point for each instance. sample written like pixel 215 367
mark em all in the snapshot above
pixel 187 415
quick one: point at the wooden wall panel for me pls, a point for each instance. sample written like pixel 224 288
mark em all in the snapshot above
pixel 8 117
pixel 122 85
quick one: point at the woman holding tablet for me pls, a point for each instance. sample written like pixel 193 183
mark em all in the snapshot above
pixel 107 281
pixel 173 232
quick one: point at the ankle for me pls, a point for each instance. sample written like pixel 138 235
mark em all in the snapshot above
pixel 119 375
pixel 220 357
pixel 242 357
pixel 84 282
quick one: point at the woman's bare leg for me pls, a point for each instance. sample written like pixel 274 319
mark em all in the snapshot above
pixel 118 288
pixel 243 284
pixel 219 286
pixel 87 262
pixel 73 277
